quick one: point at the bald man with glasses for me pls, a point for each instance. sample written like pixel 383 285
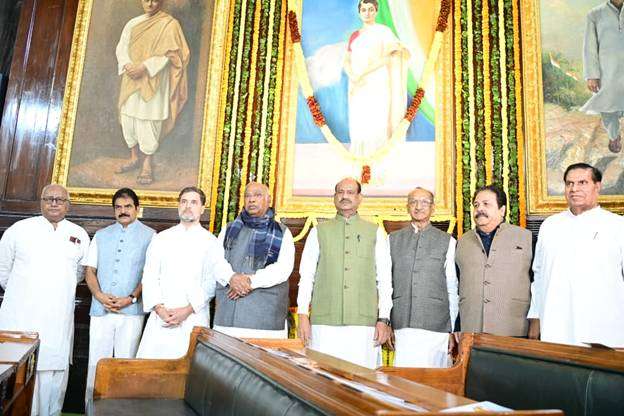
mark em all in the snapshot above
pixel 40 266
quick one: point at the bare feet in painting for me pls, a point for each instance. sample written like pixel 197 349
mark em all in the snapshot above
pixel 146 177
pixel 615 145
pixel 127 167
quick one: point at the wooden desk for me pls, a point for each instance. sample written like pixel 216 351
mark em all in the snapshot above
pixel 18 364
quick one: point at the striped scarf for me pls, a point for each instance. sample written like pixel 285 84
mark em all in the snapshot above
pixel 266 239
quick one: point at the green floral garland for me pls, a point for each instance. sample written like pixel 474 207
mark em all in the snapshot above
pixel 511 115
pixel 227 125
pixel 479 92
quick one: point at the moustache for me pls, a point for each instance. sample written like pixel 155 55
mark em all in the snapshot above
pixel 481 214
pixel 123 215
pixel 345 200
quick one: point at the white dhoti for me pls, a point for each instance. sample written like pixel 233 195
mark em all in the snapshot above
pixel 145 133
pixel 111 335
pixel 162 342
pixel 350 343
pixel 420 348
pixel 253 333
pixel 50 386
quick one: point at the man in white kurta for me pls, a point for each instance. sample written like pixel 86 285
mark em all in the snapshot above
pixel 254 302
pixel 578 288
pixel 179 276
pixel 603 62
pixel 425 301
pixel 350 281
pixel 152 57
pixel 39 269
pixel 376 64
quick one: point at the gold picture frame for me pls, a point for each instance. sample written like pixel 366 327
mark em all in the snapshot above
pixel 540 203
pixel 210 54
pixel 389 208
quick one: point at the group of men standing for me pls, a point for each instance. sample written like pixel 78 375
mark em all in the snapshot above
pixel 359 289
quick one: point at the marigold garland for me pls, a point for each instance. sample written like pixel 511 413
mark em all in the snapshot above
pixel 315 109
pixel 293 25
pixel 410 114
pixel 366 174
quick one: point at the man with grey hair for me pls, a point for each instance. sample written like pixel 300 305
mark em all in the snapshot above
pixel 40 266
pixel 181 266
pixel 254 302
pixel 424 280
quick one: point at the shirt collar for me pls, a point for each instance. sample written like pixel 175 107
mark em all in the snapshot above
pixel 345 219
pixel 490 234
pixel 131 227
pixel 416 230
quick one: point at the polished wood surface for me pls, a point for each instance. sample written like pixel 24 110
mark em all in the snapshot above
pixel 121 378
pixel 18 351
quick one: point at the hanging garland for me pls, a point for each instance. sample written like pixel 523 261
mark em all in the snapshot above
pixel 317 114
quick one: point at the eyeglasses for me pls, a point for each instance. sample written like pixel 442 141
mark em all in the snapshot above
pixel 421 202
pixel 54 200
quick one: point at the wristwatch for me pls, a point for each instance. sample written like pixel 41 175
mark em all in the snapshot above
pixel 385 321
pixel 133 298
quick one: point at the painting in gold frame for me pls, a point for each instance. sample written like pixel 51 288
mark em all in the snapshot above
pixel 559 130
pixel 292 200
pixel 100 131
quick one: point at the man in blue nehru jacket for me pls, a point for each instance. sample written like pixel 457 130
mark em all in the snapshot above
pixel 114 270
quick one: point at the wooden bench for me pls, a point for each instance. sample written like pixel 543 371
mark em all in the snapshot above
pixel 225 375
pixel 526 374
pixel 18 364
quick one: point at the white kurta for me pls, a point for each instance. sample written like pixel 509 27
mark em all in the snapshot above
pixel 603 58
pixel 271 275
pixel 39 270
pixel 141 121
pixel 350 343
pixel 181 266
pixel 578 288
pixel 422 348
pixel 377 101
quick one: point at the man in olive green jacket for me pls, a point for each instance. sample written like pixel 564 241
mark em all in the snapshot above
pixel 346 277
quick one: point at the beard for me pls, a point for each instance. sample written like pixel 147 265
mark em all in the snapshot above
pixel 187 218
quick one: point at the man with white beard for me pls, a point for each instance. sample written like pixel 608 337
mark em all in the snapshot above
pixel 181 268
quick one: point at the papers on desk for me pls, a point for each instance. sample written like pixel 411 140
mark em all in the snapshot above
pixel 477 408
pixel 359 387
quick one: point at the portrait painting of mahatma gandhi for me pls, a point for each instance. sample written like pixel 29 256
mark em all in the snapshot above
pixel 142 91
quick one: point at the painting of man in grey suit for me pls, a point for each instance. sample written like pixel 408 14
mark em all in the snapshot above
pixel 603 64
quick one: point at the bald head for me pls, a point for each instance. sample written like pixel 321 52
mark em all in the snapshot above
pixel 257 199
pixel 54 203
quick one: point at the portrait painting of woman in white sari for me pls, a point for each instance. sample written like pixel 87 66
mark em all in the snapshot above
pixel 376 65
pixel 364 64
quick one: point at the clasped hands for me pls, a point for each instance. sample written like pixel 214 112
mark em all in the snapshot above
pixel 173 316
pixel 113 303
pixel 135 71
pixel 240 286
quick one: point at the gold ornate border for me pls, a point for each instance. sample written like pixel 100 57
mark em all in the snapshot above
pixel 539 202
pixel 288 204
pixel 212 115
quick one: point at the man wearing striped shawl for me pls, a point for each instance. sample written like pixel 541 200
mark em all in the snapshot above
pixel 254 302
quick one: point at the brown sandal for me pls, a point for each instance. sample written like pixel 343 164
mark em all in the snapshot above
pixel 145 179
pixel 615 145
pixel 127 167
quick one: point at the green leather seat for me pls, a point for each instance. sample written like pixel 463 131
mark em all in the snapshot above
pixel 217 384
pixel 524 382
